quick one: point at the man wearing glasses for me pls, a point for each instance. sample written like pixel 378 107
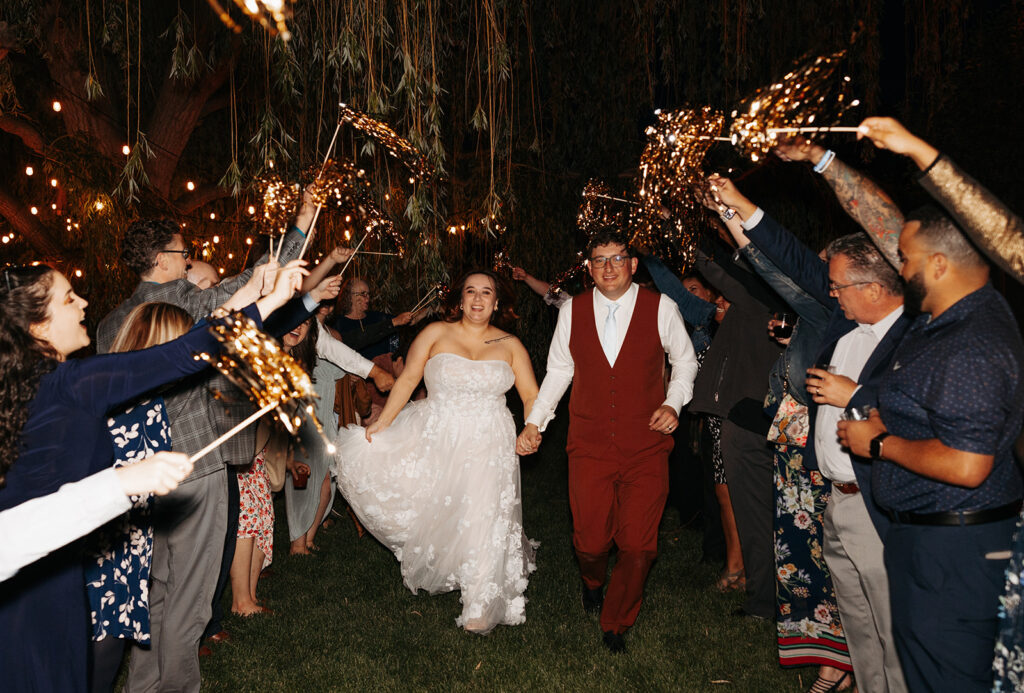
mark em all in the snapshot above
pixel 190 524
pixel 611 344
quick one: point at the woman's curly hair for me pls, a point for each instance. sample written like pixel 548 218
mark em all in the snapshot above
pixel 24 301
pixel 504 316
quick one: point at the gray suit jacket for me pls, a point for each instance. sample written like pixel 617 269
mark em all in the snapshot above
pixel 197 412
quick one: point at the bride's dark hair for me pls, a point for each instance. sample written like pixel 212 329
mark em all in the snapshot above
pixel 504 317
pixel 24 301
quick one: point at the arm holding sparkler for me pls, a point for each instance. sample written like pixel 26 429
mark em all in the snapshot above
pixel 995 228
pixel 539 287
pixel 336 257
pixel 860 196
pixel 794 259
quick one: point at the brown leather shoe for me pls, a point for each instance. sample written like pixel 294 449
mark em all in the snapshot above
pixel 220 637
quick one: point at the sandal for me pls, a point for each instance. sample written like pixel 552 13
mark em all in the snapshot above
pixel 823 685
pixel 727 582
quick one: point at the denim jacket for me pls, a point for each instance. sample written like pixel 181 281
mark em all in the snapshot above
pixel 807 333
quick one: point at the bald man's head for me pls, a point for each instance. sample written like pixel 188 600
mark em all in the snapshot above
pixel 203 274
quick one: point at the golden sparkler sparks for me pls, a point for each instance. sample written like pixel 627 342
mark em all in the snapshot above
pixel 396 145
pixel 257 364
pixel 810 99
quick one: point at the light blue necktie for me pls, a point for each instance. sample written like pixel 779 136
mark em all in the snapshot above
pixel 611 333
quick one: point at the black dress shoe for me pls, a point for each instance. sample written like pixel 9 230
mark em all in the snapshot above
pixel 614 641
pixel 593 599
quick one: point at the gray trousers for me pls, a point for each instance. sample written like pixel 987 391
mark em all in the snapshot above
pixel 188 540
pixel 854 554
pixel 748 470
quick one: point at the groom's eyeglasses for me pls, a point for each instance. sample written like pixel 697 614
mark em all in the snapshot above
pixel 601 261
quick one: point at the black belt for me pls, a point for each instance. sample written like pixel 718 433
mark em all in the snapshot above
pixel 956 518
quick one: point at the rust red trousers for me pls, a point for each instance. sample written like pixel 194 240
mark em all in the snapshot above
pixel 618 501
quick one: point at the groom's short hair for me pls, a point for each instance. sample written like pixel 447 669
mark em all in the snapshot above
pixel 608 235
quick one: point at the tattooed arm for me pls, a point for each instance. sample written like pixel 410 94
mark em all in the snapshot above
pixel 862 199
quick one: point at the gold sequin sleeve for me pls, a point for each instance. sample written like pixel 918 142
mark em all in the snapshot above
pixel 988 222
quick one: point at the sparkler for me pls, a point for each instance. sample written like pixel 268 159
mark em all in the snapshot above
pixel 810 99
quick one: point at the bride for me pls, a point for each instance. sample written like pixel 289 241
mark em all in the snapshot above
pixel 437 481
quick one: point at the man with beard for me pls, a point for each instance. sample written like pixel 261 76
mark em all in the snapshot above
pixel 950 408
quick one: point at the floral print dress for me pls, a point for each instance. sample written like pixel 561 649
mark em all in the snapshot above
pixel 117 577
pixel 808 629
pixel 256 509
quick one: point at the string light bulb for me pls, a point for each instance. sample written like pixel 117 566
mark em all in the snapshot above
pixel 126 150
pixel 190 185
pixel 53 182
pixel 34 210
pixel 56 106
pixel 99 205
pixel 29 171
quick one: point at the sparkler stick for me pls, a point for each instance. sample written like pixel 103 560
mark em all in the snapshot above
pixel 375 252
pixel 320 205
pixel 345 266
pixel 814 129
pixel 423 302
pixel 617 199
pixel 217 443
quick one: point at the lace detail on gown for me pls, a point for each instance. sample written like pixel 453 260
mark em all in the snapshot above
pixel 440 488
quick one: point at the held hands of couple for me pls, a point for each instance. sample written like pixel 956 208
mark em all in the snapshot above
pixel 529 440
pixel 829 388
pixel 856 436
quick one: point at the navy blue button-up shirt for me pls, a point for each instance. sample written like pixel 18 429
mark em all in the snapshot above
pixel 957 378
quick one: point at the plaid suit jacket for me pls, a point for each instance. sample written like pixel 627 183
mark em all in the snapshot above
pixel 206 405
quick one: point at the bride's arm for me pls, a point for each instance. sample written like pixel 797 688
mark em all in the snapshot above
pixel 406 383
pixel 526 385
pixel 526 381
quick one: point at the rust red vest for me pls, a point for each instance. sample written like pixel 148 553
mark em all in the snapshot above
pixel 610 407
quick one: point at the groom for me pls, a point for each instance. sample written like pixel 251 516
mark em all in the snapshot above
pixel 611 342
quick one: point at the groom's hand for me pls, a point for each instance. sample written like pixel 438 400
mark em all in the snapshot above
pixel 529 440
pixel 664 420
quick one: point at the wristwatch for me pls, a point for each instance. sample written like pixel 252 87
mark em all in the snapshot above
pixel 876 445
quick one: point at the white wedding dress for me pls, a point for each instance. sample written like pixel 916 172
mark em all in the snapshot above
pixel 440 488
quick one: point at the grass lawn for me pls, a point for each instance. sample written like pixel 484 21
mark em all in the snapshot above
pixel 344 621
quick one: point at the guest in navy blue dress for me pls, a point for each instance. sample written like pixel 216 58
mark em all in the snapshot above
pixel 53 431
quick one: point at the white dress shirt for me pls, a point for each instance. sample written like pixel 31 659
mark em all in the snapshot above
pixel 340 354
pixel 674 340
pixel 852 351
pixel 41 525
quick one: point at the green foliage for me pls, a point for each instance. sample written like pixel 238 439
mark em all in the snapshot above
pixel 187 61
pixel 133 176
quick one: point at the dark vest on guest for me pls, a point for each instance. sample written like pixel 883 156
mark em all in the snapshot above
pixel 610 407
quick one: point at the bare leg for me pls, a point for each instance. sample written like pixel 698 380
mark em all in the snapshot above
pixel 321 510
pixel 255 568
pixel 733 556
pixel 242 600
pixel 298 547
